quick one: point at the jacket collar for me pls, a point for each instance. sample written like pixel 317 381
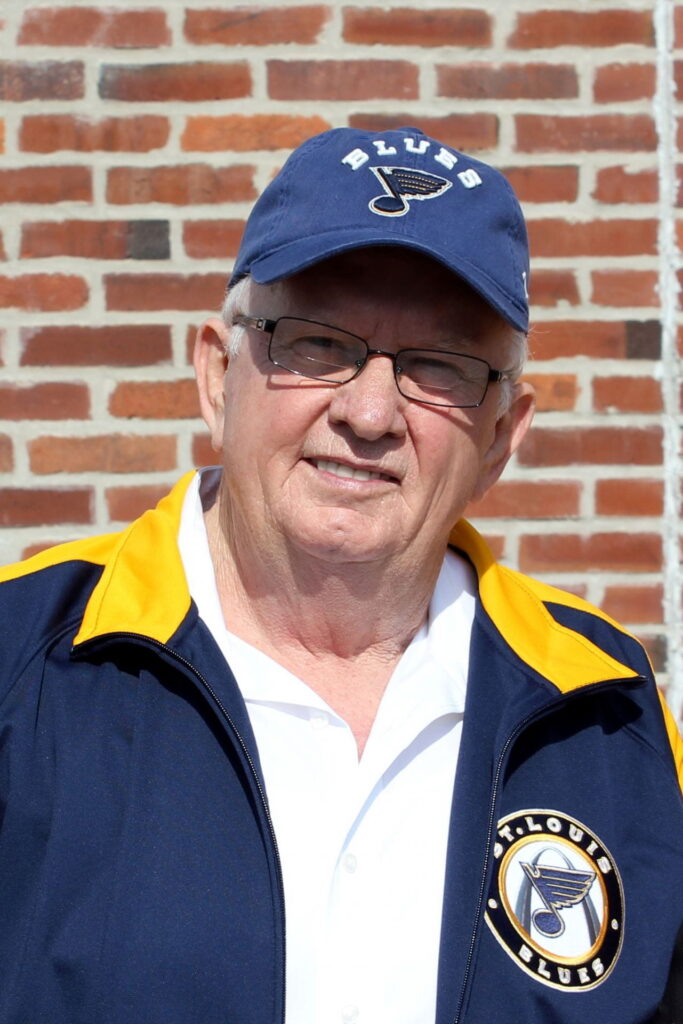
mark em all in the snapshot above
pixel 143 587
pixel 518 606
pixel 149 596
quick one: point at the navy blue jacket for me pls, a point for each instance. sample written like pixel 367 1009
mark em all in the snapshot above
pixel 139 874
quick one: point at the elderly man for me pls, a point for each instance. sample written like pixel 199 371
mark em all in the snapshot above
pixel 302 690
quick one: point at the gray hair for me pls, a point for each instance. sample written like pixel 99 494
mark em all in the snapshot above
pixel 237 301
pixel 519 352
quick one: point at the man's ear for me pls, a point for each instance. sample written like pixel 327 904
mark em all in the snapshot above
pixel 210 363
pixel 509 432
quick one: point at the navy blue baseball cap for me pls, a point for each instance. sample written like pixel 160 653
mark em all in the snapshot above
pixel 347 189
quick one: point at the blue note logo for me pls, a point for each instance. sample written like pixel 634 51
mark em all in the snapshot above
pixel 556 901
pixel 401 186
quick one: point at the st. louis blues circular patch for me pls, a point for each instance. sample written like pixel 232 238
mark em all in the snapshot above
pixel 556 902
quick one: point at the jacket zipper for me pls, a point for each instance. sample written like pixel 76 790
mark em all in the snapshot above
pixel 151 642
pixel 519 728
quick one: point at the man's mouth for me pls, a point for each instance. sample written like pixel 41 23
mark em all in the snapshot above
pixel 351 472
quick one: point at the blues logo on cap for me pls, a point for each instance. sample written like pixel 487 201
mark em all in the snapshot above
pixel 556 902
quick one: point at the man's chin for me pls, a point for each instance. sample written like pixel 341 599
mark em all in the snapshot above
pixel 344 542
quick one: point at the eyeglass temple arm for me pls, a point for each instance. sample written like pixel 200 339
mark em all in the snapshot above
pixel 259 323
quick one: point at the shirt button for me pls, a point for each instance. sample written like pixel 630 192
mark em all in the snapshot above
pixel 350 1014
pixel 318 719
pixel 350 864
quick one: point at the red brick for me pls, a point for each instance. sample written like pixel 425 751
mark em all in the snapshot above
pixel 91 239
pixel 552 287
pixel 598 339
pixel 6 454
pixel 255 26
pixel 621 83
pixel 239 133
pixel 40 506
pixel 627 394
pixel 48 133
pixel 2 136
pixel 186 184
pixel 188 83
pixel 41 80
pixel 462 131
pixel 592 446
pixel 127 503
pixel 49 401
pixel 164 291
pixel 111 453
pixel 617 185
pixel 554 236
pixel 634 604
pixel 543 133
pixel 507 81
pixel 678 22
pixel 529 499
pixel 46 292
pixel 156 400
pixel 624 288
pixel 569 27
pixel 608 339
pixel 202 452
pixel 118 345
pixel 403 26
pixel 46 185
pixel 629 497
pixel 607 552
pixel 544 184
pixel 554 391
pixel 342 80
pixel 92 26
pixel 212 239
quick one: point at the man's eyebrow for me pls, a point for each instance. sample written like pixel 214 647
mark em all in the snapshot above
pixel 451 338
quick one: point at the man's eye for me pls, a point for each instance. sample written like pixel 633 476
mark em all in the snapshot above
pixel 314 343
pixel 321 349
pixel 437 370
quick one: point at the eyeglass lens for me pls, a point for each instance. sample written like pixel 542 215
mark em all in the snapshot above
pixel 327 353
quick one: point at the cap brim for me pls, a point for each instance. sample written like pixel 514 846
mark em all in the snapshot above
pixel 297 256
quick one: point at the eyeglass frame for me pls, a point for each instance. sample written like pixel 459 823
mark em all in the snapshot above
pixel 267 326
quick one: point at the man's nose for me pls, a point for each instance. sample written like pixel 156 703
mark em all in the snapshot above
pixel 371 403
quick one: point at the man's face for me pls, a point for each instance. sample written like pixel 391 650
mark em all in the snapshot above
pixel 291 447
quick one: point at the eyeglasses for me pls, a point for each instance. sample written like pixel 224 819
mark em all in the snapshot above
pixel 321 352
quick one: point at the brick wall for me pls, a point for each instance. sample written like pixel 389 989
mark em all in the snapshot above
pixel 134 138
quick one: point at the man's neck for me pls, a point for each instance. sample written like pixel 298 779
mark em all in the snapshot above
pixel 342 630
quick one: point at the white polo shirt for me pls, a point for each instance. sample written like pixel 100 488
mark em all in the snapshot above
pixel 362 843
